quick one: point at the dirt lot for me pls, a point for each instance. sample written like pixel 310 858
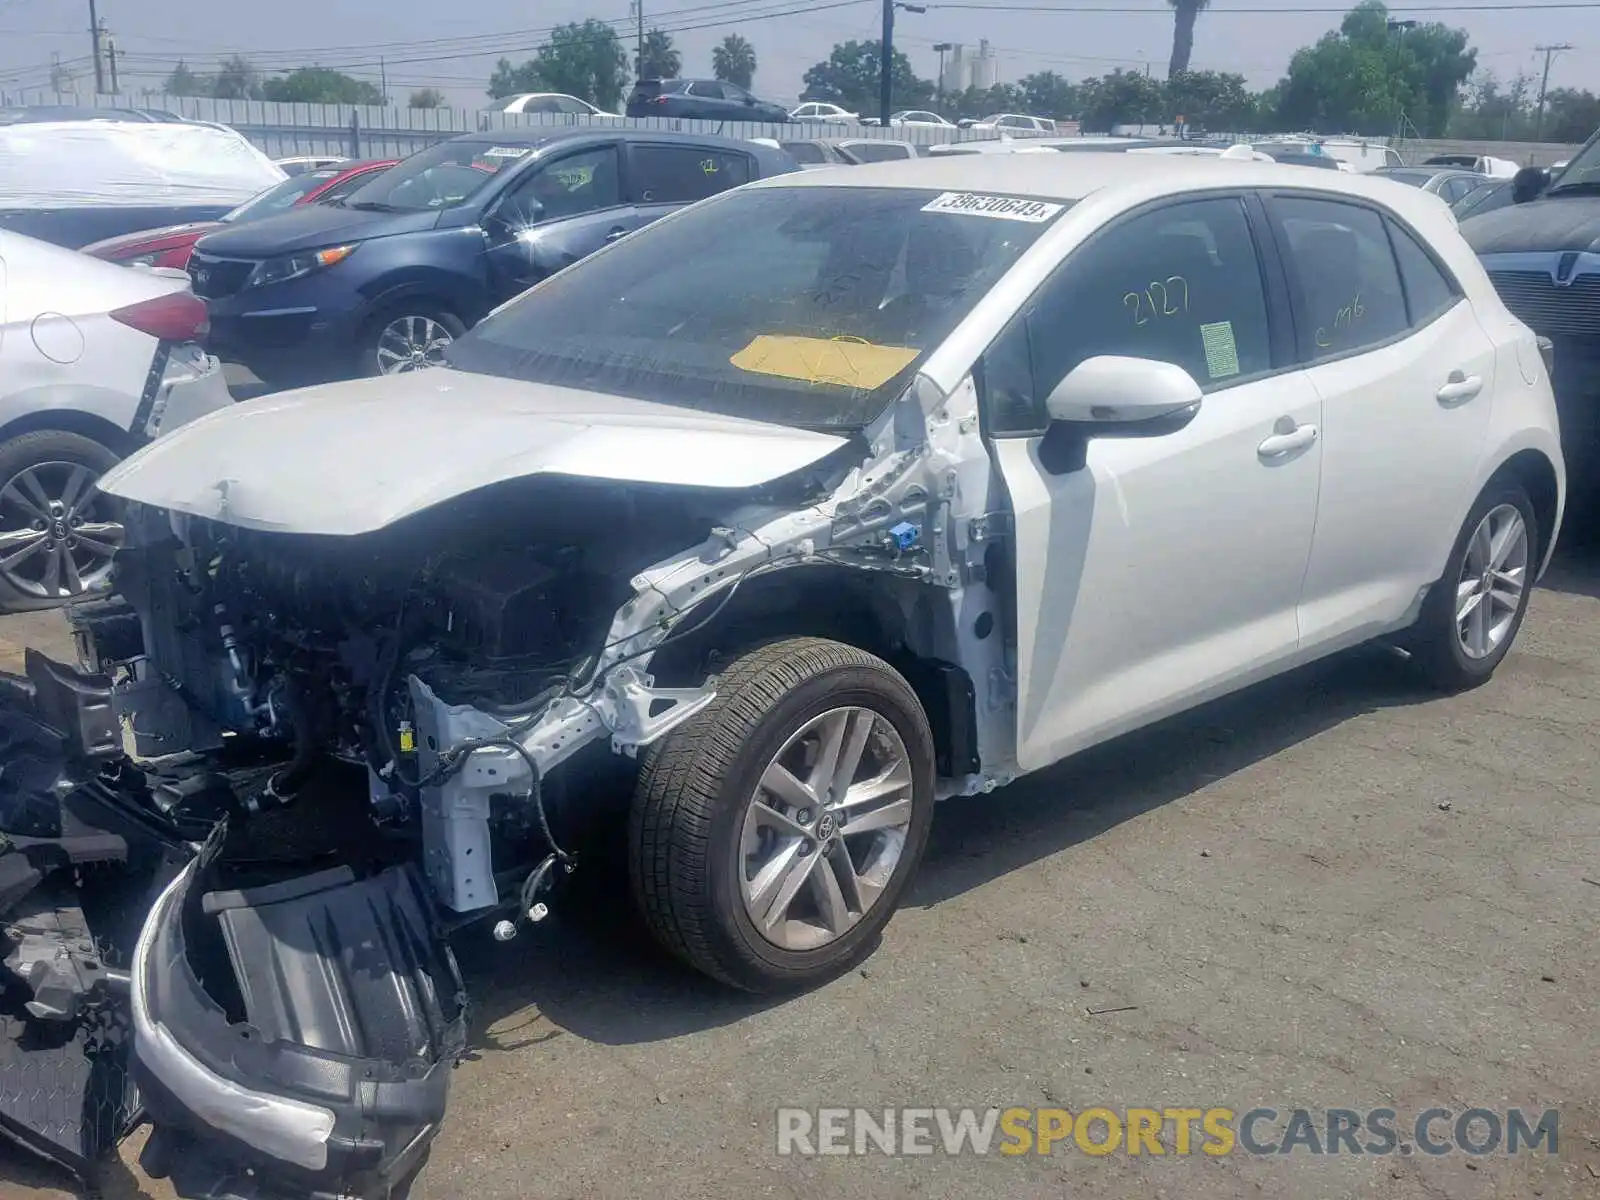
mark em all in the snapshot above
pixel 1332 891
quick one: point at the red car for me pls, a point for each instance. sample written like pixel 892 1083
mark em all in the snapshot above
pixel 170 246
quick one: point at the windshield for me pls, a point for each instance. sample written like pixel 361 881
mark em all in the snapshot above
pixel 441 176
pixel 803 306
pixel 1583 171
pixel 1414 178
pixel 280 196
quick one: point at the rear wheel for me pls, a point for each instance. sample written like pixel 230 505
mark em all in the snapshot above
pixel 773 834
pixel 409 338
pixel 1473 613
pixel 57 531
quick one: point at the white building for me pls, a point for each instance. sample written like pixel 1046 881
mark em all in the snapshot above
pixel 965 68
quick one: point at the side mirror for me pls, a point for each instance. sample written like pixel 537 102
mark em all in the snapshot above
pixel 1529 184
pixel 750 100
pixel 1110 394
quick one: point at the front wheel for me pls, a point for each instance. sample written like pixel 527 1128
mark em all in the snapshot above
pixel 1473 613
pixel 773 834
pixel 409 338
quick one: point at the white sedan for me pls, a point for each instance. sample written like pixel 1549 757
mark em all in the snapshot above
pixel 95 360
pixel 814 112
pixel 553 103
pixel 917 117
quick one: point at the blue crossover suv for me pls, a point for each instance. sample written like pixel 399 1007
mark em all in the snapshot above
pixel 385 279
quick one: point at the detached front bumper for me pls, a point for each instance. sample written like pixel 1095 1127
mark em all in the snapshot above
pixel 329 1077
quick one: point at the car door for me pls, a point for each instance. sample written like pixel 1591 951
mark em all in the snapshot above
pixel 710 99
pixel 555 213
pixel 1405 372
pixel 663 176
pixel 1156 571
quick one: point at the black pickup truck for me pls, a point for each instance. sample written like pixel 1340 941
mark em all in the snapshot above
pixel 1543 254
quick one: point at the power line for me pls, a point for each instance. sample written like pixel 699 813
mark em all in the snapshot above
pixel 1122 10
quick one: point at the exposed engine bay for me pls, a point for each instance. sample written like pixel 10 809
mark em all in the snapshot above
pixel 323 754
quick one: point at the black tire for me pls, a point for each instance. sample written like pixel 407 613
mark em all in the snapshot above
pixel 32 449
pixel 1433 641
pixel 688 809
pixel 420 308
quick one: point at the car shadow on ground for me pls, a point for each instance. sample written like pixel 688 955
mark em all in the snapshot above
pixel 594 972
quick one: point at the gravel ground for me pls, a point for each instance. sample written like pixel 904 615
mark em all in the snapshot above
pixel 1330 891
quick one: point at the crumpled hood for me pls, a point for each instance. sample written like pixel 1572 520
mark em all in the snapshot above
pixel 349 458
pixel 1553 224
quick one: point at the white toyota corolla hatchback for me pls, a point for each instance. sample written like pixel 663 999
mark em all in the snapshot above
pixel 820 499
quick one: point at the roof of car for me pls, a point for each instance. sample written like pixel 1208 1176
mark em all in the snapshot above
pixel 1073 177
pixel 535 136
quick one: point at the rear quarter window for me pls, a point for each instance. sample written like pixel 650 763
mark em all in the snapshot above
pixel 684 174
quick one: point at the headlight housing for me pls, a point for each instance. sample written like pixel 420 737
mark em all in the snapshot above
pixel 292 266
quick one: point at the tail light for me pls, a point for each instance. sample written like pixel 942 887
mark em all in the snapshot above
pixel 658 100
pixel 175 317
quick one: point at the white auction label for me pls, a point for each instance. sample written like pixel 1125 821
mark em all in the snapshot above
pixel 1004 208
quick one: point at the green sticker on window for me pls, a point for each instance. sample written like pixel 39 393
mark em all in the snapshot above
pixel 1222 352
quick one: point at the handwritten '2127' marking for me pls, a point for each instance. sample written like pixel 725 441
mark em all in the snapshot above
pixel 1163 298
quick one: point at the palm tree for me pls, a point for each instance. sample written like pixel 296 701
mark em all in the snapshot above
pixel 659 60
pixel 734 61
pixel 1185 13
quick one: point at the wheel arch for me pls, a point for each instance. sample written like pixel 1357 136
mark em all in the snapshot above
pixel 843 604
pixel 72 420
pixel 1533 470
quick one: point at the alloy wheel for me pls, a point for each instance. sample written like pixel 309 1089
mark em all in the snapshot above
pixel 825 828
pixel 1494 576
pixel 410 344
pixel 57 535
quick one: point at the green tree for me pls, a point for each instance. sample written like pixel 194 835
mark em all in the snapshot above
pixel 583 59
pixel 1120 98
pixel 1210 100
pixel 1571 115
pixel 734 61
pixel 236 79
pixel 849 78
pixel 508 80
pixel 1046 94
pixel 1490 111
pixel 658 59
pixel 320 85
pixel 426 98
pixel 1184 15
pixel 1365 76
pixel 184 82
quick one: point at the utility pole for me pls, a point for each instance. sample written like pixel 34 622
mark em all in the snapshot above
pixel 638 58
pixel 111 59
pixel 383 80
pixel 1549 53
pixel 941 48
pixel 886 56
pixel 94 37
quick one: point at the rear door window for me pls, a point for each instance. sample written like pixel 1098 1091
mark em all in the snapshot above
pixel 684 174
pixel 1344 279
pixel 879 151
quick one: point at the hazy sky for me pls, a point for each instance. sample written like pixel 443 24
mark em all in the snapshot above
pixel 454 46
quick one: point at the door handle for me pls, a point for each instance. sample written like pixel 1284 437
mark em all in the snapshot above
pixel 614 234
pixel 1280 444
pixel 1461 387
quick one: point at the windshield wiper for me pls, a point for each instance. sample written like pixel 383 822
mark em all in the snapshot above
pixel 1580 185
pixel 372 206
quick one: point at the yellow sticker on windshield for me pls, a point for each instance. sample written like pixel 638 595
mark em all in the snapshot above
pixel 843 362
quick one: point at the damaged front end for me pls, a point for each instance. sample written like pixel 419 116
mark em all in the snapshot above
pixel 327 743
